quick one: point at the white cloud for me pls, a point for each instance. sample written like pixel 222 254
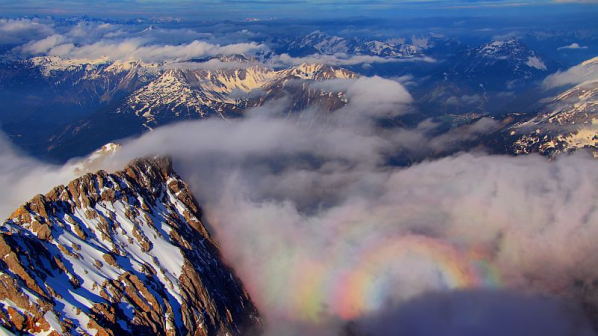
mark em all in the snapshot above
pixel 22 177
pixel 584 72
pixel 44 45
pixel 135 49
pixel 97 40
pixel 23 30
pixel 302 208
pixel 573 46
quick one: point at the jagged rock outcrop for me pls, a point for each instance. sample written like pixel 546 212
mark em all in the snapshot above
pixel 118 254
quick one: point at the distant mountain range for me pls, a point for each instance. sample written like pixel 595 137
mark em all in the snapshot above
pixel 60 108
pixel 84 104
pixel 499 65
pixel 42 94
pixel 563 123
pixel 186 94
pixel 318 42
pixel 485 78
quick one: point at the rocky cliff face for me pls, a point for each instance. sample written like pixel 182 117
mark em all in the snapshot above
pixel 118 254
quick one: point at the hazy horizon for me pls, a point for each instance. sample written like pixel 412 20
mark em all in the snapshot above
pixel 303 9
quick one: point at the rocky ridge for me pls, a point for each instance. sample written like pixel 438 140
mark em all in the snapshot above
pixel 118 254
pixel 198 93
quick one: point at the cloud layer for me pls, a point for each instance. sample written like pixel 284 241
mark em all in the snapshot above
pixel 106 41
pixel 13 31
pixel 323 232
pixel 330 239
pixel 22 177
pixel 584 72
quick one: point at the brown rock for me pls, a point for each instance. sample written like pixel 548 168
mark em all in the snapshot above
pixel 109 258
pixel 214 303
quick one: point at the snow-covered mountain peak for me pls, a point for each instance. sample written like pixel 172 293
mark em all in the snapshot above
pixel 91 68
pixel 501 48
pixel 316 71
pixel 96 159
pixel 322 43
pixel 195 92
pixel 118 254
pixel 198 92
pixel 149 28
pixel 511 50
pixel 234 58
pixel 315 34
pixel 508 59
pixel 120 66
pixel 190 93
pixel 228 80
pixel 51 64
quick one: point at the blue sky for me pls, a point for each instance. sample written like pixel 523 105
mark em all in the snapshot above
pixel 235 9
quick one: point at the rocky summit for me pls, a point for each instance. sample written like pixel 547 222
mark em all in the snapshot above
pixel 118 254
